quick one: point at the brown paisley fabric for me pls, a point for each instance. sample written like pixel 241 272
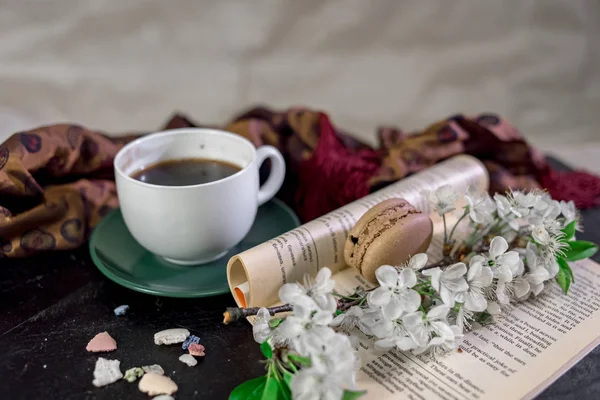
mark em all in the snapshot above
pixel 55 185
pixel 56 182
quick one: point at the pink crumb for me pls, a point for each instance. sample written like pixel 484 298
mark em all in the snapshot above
pixel 101 342
pixel 196 349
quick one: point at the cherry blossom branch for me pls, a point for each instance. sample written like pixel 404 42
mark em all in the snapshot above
pixel 465 213
pixel 346 305
pixel 233 314
pixel 445 230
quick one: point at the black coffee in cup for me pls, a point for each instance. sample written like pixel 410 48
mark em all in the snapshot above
pixel 185 172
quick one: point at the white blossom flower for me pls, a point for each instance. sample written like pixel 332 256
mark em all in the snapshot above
pixel 553 210
pixel 304 327
pixel 391 333
pixel 525 200
pixel 540 235
pixel 534 261
pixel 333 351
pixel 354 317
pixel 494 308
pixel 417 262
pixel 503 291
pixel 570 214
pixel 506 212
pixel 402 342
pixel 505 265
pixel 551 250
pixel 509 284
pixel 333 368
pixel 479 277
pixel 522 202
pixel 549 242
pixel 481 206
pixel 520 270
pixel 394 295
pixel 502 205
pixel 520 287
pixel 371 317
pixel 261 329
pixel 386 328
pixel 499 258
pixel 443 199
pixel 545 212
pixel 568 210
pixel 463 318
pixel 422 327
pixel 317 290
pixel 331 372
pixel 443 344
pixel 548 218
pixel 536 278
pixel 531 256
pixel 509 235
pixel 316 384
pixel 449 282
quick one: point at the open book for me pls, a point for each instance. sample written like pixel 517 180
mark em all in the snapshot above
pixel 517 357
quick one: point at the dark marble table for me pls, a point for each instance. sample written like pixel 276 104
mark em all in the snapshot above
pixel 52 304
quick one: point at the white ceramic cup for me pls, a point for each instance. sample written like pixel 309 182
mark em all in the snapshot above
pixel 198 223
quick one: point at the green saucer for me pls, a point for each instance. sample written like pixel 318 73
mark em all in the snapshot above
pixel 123 260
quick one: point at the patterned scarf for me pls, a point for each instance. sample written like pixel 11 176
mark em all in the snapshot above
pixel 56 182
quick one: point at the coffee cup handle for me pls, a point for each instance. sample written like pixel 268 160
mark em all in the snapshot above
pixel 276 175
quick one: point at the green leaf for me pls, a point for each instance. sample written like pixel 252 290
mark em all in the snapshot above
pixel 564 265
pixel 300 360
pixel 484 318
pixel 274 322
pixel 563 278
pixel 244 390
pixel 351 395
pixel 258 392
pixel 287 378
pixel 285 391
pixel 271 390
pixel 266 349
pixel 580 249
pixel 569 231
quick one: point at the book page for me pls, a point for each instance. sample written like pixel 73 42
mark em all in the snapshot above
pixel 516 358
pixel 256 275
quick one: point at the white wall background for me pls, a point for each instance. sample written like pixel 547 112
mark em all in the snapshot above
pixel 126 65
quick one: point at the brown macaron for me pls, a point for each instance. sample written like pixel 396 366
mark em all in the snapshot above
pixel 387 234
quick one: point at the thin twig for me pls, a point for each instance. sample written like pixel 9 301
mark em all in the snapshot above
pixel 445 231
pixel 344 306
pixel 456 224
pixel 233 314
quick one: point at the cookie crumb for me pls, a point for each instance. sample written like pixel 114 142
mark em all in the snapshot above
pixel 154 368
pixel 155 384
pixel 121 310
pixel 102 342
pixel 171 336
pixel 190 339
pixel 106 372
pixel 132 374
pixel 188 359
pixel 197 350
